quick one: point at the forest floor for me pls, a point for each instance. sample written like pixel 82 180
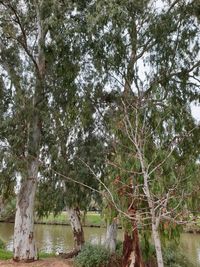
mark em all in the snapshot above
pixel 49 262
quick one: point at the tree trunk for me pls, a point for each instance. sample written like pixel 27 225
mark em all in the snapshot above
pixel 111 236
pixel 131 250
pixel 131 245
pixel 77 229
pixel 24 240
pixel 157 243
pixel 84 218
pixel 2 206
pixel 155 220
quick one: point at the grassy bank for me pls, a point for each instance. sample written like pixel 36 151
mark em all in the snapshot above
pixel 7 255
pixel 91 219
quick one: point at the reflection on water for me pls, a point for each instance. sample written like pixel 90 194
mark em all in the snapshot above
pixel 58 238
pixel 52 238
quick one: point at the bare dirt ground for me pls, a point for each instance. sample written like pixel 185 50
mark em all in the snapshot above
pixel 50 262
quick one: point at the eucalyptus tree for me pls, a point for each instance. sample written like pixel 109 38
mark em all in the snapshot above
pixel 30 31
pixel 68 176
pixel 150 54
pixel 23 35
pixel 158 189
pixel 74 140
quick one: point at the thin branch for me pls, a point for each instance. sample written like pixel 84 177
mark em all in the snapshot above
pixel 77 182
pixel 161 163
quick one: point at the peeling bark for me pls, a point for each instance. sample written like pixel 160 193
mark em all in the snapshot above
pixel 131 246
pixel 77 229
pixel 24 241
pixel 131 250
pixel 111 236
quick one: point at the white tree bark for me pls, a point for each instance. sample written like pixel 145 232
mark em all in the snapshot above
pixel 77 229
pixel 111 236
pixel 154 219
pixel 24 240
pixel 157 243
pixel 154 224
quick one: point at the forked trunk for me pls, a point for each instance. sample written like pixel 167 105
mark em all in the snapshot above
pixel 24 240
pixel 77 229
pixel 111 236
pixel 157 243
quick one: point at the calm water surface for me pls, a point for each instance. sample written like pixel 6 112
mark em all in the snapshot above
pixel 58 238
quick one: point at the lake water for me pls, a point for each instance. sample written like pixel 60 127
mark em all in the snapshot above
pixel 58 238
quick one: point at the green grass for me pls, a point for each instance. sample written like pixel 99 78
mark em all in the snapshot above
pixel 61 218
pixel 92 218
pixel 44 255
pixel 7 255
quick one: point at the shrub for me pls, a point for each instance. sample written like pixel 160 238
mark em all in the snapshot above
pixel 93 255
